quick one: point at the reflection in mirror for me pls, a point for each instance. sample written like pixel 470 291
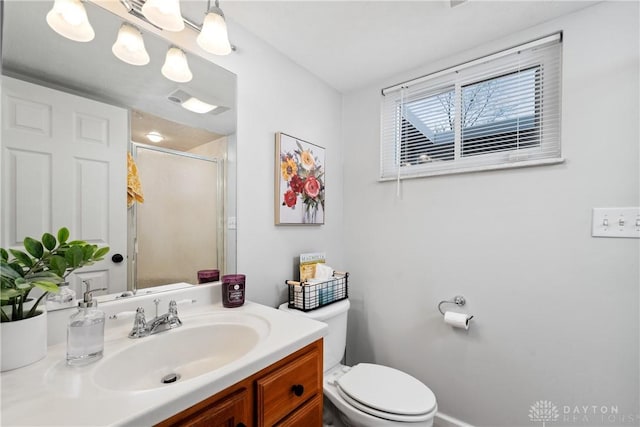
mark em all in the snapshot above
pixel 64 150
pixel 183 174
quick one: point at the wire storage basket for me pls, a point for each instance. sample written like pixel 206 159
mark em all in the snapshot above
pixel 308 296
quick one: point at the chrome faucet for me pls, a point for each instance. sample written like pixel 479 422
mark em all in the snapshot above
pixel 169 320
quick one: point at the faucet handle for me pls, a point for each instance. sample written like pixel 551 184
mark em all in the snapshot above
pixel 173 307
pixel 174 320
pixel 139 324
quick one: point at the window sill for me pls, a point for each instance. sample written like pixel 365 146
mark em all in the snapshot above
pixel 426 173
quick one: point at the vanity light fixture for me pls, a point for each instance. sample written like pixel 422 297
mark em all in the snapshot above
pixel 129 46
pixel 164 13
pixel 213 36
pixel 195 105
pixel 154 136
pixel 69 19
pixel 176 67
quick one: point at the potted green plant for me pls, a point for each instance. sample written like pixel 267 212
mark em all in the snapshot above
pixel 43 264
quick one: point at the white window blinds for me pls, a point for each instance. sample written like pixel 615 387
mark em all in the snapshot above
pixel 495 112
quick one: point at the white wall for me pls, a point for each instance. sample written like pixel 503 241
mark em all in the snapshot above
pixel 556 310
pixel 274 94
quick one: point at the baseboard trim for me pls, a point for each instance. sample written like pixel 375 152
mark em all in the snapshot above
pixel 444 420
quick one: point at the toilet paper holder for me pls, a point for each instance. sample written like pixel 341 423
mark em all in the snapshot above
pixel 457 300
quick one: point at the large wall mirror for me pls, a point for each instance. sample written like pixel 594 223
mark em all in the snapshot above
pixel 60 93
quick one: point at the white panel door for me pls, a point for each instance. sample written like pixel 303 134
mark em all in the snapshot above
pixel 64 165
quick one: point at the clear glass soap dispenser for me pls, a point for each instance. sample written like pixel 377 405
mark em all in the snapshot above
pixel 65 297
pixel 85 331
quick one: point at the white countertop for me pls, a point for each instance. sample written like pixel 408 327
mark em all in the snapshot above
pixel 49 393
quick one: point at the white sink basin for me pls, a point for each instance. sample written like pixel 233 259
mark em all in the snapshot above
pixel 207 343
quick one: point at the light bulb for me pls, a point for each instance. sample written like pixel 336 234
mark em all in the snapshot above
pixel 213 37
pixel 129 46
pixel 176 67
pixel 69 19
pixel 164 13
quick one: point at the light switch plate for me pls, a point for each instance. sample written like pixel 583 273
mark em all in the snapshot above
pixel 616 222
pixel 231 223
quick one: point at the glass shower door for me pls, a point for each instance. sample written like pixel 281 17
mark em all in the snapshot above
pixel 177 226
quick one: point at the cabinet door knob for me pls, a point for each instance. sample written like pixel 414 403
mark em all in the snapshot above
pixel 241 425
pixel 297 389
pixel 117 258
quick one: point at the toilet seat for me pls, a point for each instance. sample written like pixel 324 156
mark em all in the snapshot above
pixel 386 393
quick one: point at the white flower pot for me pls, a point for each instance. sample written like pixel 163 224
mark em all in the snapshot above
pixel 28 304
pixel 24 341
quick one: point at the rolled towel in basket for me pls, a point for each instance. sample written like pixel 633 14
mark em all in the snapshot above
pixel 323 272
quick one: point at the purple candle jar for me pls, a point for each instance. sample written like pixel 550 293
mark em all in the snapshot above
pixel 206 276
pixel 233 290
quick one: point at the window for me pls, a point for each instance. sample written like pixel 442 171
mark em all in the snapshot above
pixel 495 112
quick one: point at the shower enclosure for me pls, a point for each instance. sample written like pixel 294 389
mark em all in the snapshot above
pixel 178 229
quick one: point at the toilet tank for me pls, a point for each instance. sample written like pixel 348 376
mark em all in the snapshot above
pixel 335 316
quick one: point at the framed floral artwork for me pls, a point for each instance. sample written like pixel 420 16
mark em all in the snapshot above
pixel 300 179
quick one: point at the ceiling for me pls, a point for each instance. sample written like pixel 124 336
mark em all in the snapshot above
pixel 351 44
pixel 176 136
pixel 347 44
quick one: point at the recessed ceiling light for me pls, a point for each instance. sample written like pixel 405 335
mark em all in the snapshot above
pixel 154 137
pixel 197 106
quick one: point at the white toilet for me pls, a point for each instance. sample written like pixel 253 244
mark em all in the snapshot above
pixel 368 395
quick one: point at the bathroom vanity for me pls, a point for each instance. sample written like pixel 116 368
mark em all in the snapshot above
pixel 287 393
pixel 252 365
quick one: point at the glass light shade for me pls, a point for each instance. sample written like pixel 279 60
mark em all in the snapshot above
pixel 69 19
pixel 129 46
pixel 176 67
pixel 195 105
pixel 164 13
pixel 154 137
pixel 213 37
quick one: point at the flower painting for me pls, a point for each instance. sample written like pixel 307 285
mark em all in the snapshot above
pixel 299 181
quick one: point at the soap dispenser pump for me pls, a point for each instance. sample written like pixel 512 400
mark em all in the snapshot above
pixel 85 331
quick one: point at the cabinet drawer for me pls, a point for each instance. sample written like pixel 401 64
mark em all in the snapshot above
pixel 282 391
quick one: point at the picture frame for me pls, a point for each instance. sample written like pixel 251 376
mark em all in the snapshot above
pixel 299 181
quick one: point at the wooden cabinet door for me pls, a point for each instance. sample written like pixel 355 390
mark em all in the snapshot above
pixel 309 415
pixel 286 394
pixel 231 411
pixel 282 391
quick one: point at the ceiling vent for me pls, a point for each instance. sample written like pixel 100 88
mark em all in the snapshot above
pixel 195 104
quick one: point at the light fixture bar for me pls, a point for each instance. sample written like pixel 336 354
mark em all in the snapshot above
pixel 134 7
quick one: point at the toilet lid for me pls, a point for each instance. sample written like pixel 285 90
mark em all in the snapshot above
pixel 386 392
